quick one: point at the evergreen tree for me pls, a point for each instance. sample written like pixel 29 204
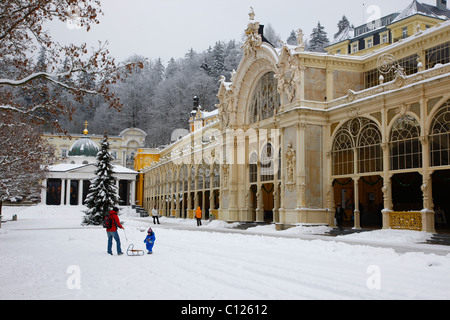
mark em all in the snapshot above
pixel 342 25
pixel 292 40
pixel 218 60
pixel 103 191
pixel 319 39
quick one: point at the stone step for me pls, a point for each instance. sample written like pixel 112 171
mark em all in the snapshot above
pixel 442 239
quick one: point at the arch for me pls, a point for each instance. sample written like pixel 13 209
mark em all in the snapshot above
pixel 440 136
pixel 405 146
pixel 265 98
pixel 250 70
pixel 362 135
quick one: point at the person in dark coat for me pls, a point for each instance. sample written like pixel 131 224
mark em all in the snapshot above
pixel 112 232
pixel 339 216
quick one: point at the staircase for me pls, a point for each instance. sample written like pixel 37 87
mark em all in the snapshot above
pixel 345 231
pixel 440 238
pixel 142 212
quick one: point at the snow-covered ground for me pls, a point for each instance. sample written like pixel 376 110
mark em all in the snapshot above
pixel 47 254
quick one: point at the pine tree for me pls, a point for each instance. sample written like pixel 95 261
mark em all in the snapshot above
pixel 103 191
pixel 342 25
pixel 292 40
pixel 319 39
pixel 218 60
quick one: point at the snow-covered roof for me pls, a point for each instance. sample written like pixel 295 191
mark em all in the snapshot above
pixel 346 34
pixel 74 167
pixel 414 8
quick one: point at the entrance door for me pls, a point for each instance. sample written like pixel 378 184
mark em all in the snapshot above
pixel 371 202
pixel 53 192
pixel 268 202
pixel 441 186
pixel 406 192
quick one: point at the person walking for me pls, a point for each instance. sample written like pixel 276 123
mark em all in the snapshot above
pixel 150 240
pixel 112 231
pixel 339 216
pixel 198 216
pixel 155 215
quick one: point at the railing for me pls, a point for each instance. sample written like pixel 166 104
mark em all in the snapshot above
pixel 406 221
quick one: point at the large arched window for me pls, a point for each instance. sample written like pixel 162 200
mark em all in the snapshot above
pixel 440 137
pixel 405 146
pixel 363 136
pixel 265 98
pixel 370 154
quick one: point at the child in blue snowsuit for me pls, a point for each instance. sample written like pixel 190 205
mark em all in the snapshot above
pixel 150 240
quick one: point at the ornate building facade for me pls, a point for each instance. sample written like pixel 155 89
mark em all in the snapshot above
pixel 299 132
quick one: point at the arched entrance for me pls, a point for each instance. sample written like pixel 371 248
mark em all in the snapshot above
pixel 357 168
pixel 406 192
pixel 268 202
pixel 441 187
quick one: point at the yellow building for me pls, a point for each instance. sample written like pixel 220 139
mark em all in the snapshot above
pixel 392 28
pixel 300 132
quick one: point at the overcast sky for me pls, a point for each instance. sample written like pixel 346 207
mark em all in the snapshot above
pixel 169 28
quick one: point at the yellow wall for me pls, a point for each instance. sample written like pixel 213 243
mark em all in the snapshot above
pixel 145 157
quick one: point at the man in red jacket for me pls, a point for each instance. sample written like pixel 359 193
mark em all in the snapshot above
pixel 112 232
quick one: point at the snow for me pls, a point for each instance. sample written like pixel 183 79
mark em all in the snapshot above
pixel 47 254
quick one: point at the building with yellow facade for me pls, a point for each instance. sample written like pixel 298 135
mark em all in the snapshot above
pixel 299 132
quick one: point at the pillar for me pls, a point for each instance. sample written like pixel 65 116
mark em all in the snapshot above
pixel 357 216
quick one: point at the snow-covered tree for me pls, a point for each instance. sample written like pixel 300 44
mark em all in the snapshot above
pixel 22 33
pixel 103 191
pixel 272 36
pixel 342 25
pixel 24 158
pixel 292 39
pixel 318 40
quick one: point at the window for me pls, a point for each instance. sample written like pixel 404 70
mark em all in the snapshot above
pixel 384 38
pixel 268 163
pixel 438 55
pixel 440 137
pixel 370 155
pixel 409 65
pixel 404 32
pixel 362 135
pixel 266 98
pixel 406 149
pixel 369 43
pixel 354 47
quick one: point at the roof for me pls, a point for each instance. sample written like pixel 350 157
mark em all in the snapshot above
pixel 416 7
pixel 84 147
pixel 76 167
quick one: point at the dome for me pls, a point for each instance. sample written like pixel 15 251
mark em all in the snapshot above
pixel 84 147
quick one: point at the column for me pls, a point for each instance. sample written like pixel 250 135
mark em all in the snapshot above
pixel 63 190
pixel 44 192
pixel 301 165
pixel 133 193
pixel 282 217
pixel 357 217
pixel 178 197
pixel 259 204
pixel 80 192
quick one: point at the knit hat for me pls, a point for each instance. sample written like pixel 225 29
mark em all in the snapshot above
pixel 150 230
